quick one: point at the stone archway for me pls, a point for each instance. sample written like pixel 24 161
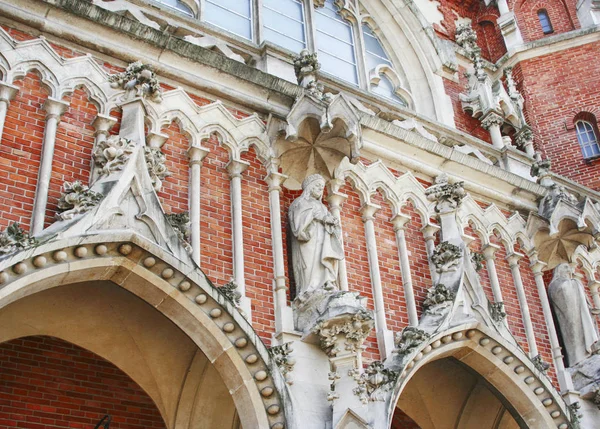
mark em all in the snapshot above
pixel 129 265
pixel 492 370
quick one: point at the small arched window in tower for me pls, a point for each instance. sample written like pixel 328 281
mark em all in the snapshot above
pixel 283 23
pixel 335 43
pixel 588 139
pixel 545 21
pixel 231 15
pixel 179 5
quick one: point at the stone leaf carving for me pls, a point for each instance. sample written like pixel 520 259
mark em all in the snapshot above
pixel 112 154
pixel 540 167
pixel 497 311
pixel 282 357
pixel 539 363
pixel 332 395
pixel 14 238
pixel 156 161
pixel 230 292
pixel 410 338
pixel 446 195
pixel 446 257
pixel 76 199
pixel 575 415
pixel 438 295
pixel 466 37
pixel 373 382
pixel 355 328
pixel 306 67
pixel 138 79
pixel 181 223
pixel 477 260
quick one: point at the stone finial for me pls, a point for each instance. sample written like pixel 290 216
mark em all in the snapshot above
pixel 447 196
pixel 540 168
pixel 438 295
pixel 306 67
pixel 446 257
pixel 477 260
pixel 76 199
pixel 410 338
pixel 14 238
pixel 230 292
pixel 112 154
pixel 282 357
pixel 138 80
pixel 524 140
pixel 373 382
pixel 539 363
pixel 156 161
pixel 181 223
pixel 466 37
pixel 497 311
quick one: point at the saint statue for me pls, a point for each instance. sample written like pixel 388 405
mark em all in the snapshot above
pixel 573 314
pixel 316 239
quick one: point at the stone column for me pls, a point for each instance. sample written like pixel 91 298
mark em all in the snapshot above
pixel 492 122
pixel 489 251
pixel 335 199
pixel 399 221
pixel 283 317
pixel 503 7
pixel 236 169
pixel 196 156
pixel 385 338
pixel 54 110
pixel 7 94
pixel 594 286
pixel 429 232
pixel 564 378
pixel 513 260
pixel 102 126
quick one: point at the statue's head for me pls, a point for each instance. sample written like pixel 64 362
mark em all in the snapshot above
pixel 563 271
pixel 313 186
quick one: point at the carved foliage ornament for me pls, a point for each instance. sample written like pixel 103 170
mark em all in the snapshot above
pixel 437 295
pixel 466 37
pixel 156 161
pixel 181 224
pixel 356 329
pixel 230 292
pixel 539 363
pixel 446 257
pixel 282 357
pixel 14 238
pixel 112 154
pixel 497 311
pixel 140 78
pixel 409 339
pixel 373 382
pixel 447 196
pixel 541 166
pixel 477 260
pixel 306 67
pixel 76 199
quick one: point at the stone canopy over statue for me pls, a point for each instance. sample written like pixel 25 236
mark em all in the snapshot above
pixel 573 315
pixel 316 240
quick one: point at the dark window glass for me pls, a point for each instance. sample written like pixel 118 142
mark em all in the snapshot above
pixel 545 21
pixel 588 140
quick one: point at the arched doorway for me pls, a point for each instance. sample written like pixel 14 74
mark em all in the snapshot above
pixel 446 394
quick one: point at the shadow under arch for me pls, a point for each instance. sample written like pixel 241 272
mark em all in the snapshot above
pixel 505 368
pixel 179 292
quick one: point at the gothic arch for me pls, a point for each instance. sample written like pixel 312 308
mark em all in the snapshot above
pixel 180 292
pixel 503 365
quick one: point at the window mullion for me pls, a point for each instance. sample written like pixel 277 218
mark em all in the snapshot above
pixel 258 36
pixel 311 30
pixel 361 61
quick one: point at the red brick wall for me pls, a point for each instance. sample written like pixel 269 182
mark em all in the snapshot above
pixel 49 383
pixel 562 14
pixel 556 88
pixel 20 151
pixel 175 188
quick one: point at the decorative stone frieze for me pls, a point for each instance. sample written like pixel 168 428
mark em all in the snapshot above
pixel 112 154
pixel 446 257
pixel 410 338
pixel 374 382
pixel 156 161
pixel 14 239
pixel 282 356
pixel 497 311
pixel 438 296
pixel 229 291
pixel 138 80
pixel 477 260
pixel 76 198
pixel 181 223
pixel 447 196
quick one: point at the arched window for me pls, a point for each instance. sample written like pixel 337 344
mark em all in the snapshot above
pixel 283 23
pixel 374 52
pixel 335 43
pixel 386 89
pixel 545 21
pixel 179 5
pixel 230 15
pixel 588 139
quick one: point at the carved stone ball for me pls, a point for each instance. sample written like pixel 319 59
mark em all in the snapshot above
pixel 149 262
pixel 81 252
pixel 215 312
pixel 273 409
pixel 201 299
pixel 267 391
pixel 184 286
pixel 251 358
pixel 547 402
pixel 3 277
pixel 229 327
pixel 40 261
pixel 261 375
pixel 60 256
pixel 20 268
pixel 101 250
pixel 555 414
pixel 278 425
pixel 167 273
pixel 125 249
pixel 241 343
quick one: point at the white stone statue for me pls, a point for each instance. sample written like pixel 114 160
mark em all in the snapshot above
pixel 316 240
pixel 572 310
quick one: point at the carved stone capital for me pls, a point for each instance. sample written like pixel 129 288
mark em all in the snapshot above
pixel 103 124
pixel 55 108
pixel 399 221
pixel 430 231
pixel 492 119
pixel 274 180
pixel 197 154
pixel 8 92
pixel 514 258
pixel 76 199
pixel 236 168
pixel 536 265
pixel 489 250
pixel 368 211
pixel 156 139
